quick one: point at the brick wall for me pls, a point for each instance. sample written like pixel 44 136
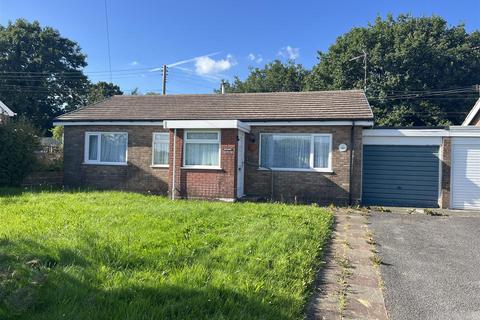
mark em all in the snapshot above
pixel 446 161
pixel 138 175
pixel 206 183
pixel 307 186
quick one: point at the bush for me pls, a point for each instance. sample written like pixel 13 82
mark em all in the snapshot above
pixel 18 143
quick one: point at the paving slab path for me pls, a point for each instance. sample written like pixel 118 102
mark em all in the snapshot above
pixel 349 285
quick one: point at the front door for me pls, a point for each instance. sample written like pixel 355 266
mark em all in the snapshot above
pixel 240 163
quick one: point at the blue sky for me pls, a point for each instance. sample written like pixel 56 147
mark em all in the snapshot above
pixel 219 39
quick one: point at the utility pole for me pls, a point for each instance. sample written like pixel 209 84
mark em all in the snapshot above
pixel 364 56
pixel 365 69
pixel 164 79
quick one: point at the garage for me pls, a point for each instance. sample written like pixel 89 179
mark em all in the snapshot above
pixel 400 175
pixel 465 180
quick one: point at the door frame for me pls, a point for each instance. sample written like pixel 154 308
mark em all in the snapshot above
pixel 240 169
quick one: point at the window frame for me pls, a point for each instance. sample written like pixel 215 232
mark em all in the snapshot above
pixel 312 152
pixel 206 141
pixel 99 148
pixel 153 165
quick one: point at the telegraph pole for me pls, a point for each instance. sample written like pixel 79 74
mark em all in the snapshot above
pixel 164 79
pixel 364 56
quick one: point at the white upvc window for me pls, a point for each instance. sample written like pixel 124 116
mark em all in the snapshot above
pixel 201 149
pixel 160 149
pixel 296 151
pixel 106 148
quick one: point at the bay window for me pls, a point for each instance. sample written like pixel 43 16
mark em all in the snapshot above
pixel 202 149
pixel 296 152
pixel 106 148
pixel 160 149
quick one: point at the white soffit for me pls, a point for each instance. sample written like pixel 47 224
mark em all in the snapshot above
pixel 206 124
pixel 309 123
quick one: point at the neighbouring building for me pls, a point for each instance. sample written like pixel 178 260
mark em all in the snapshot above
pixel 303 146
pixel 5 113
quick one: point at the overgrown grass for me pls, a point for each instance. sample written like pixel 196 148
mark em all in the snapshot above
pixel 114 255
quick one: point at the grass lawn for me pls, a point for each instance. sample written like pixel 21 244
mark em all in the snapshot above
pixel 116 255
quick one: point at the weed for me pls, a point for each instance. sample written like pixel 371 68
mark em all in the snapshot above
pixel 376 260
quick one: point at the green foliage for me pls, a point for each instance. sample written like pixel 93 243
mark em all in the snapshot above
pixel 101 91
pixel 116 255
pixel 273 77
pixel 405 54
pixel 57 133
pixel 18 142
pixel 41 72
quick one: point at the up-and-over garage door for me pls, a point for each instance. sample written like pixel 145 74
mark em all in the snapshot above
pixel 465 182
pixel 400 175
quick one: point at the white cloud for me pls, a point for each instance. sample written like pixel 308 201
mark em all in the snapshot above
pixel 208 66
pixel 255 58
pixel 134 63
pixel 289 52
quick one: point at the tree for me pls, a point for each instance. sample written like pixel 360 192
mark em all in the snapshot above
pixel 101 91
pixel 40 72
pixel 406 55
pixel 273 77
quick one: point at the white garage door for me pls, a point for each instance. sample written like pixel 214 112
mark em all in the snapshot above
pixel 466 173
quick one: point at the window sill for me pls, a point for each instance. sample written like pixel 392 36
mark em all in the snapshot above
pixel 297 170
pixel 200 168
pixel 159 166
pixel 106 163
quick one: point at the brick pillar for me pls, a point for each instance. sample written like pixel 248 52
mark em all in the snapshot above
pixel 178 162
pixel 446 160
pixel 357 150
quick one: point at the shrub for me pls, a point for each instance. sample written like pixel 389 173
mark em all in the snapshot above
pixel 18 143
pixel 57 133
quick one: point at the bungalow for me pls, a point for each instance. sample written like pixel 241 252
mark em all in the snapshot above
pixel 5 112
pixel 304 146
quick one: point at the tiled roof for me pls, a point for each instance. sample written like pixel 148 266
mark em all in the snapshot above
pixel 313 105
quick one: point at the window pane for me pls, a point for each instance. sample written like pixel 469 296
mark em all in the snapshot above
pixel 321 151
pixel 92 147
pixel 202 135
pixel 113 147
pixel 285 151
pixel 204 154
pixel 160 149
pixel 162 137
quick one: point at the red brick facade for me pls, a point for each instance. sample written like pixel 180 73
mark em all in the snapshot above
pixel 446 162
pixel 139 175
pixel 323 187
pixel 206 183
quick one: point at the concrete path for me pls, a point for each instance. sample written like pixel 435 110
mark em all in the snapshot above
pixel 430 264
pixel 349 285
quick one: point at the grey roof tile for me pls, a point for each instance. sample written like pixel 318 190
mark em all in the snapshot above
pixel 313 105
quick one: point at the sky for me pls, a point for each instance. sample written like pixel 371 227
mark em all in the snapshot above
pixel 209 40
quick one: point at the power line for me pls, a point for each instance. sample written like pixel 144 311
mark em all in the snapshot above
pixel 108 41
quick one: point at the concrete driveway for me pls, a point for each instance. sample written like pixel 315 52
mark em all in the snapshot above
pixel 430 264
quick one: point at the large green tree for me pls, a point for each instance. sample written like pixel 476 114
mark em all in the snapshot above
pixel 40 72
pixel 410 63
pixel 101 91
pixel 273 77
